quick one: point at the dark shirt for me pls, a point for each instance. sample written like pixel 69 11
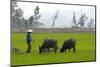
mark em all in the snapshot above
pixel 28 37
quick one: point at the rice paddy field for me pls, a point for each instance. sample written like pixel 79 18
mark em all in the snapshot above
pixel 85 48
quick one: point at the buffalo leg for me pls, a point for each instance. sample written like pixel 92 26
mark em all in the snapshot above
pixel 55 49
pixel 69 50
pixel 65 50
pixel 74 49
pixel 48 50
pixel 43 49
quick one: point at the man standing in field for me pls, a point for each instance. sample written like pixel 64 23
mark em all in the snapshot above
pixel 29 39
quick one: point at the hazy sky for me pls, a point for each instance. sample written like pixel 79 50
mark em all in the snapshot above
pixel 65 16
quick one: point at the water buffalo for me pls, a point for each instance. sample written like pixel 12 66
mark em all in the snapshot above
pixel 47 44
pixel 68 44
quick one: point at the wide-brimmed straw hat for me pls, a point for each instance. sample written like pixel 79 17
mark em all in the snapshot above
pixel 30 30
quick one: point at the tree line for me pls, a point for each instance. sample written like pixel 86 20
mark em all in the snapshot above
pixel 18 20
pixel 81 21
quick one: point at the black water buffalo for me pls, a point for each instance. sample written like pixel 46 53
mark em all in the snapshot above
pixel 47 44
pixel 68 44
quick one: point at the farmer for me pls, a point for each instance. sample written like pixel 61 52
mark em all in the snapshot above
pixel 29 39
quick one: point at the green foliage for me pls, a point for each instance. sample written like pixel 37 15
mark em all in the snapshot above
pixel 37 16
pixel 18 21
pixel 31 19
pixel 74 20
pixel 16 14
pixel 55 17
pixel 82 20
pixel 36 11
pixel 90 24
